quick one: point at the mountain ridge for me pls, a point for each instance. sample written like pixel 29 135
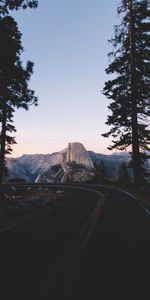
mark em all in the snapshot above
pixel 73 163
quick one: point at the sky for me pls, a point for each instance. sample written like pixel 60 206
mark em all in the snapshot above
pixel 68 42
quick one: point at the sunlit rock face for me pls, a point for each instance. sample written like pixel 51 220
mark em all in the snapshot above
pixel 78 154
pixel 75 166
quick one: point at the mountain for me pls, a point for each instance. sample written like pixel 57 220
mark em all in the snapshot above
pixel 73 164
pixel 77 153
pixel 17 170
pixel 112 162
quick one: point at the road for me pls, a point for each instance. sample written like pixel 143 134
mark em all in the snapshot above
pixel 32 254
pixel 116 262
pixel 79 250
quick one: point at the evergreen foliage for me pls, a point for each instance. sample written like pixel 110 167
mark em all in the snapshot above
pixel 7 5
pixel 14 91
pixel 129 87
pixel 123 173
pixel 100 172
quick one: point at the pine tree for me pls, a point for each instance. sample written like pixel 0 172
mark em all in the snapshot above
pixel 14 91
pixel 129 88
pixel 7 5
pixel 17 72
pixel 123 173
pixel 100 172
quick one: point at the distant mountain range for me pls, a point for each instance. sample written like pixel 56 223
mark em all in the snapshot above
pixel 73 164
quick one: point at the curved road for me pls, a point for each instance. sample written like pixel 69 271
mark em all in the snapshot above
pixel 86 247
pixel 116 261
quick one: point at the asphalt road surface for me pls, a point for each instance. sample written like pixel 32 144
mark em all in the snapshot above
pixel 116 261
pixel 42 259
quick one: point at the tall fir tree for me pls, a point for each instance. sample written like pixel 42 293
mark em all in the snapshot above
pixel 129 87
pixel 14 78
pixel 14 90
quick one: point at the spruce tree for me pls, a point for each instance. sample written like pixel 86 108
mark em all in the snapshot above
pixel 14 90
pixel 129 87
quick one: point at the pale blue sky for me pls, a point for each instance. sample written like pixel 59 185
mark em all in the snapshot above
pixel 68 42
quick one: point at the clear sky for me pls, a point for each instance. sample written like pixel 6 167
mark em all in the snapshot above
pixel 68 42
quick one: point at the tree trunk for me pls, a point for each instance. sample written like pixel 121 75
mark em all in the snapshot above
pixel 3 141
pixel 135 137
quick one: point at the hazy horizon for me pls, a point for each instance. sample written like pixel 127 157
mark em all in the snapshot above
pixel 51 152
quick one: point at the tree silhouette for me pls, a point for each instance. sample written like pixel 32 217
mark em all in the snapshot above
pixel 14 91
pixel 7 5
pixel 123 173
pixel 100 172
pixel 129 88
